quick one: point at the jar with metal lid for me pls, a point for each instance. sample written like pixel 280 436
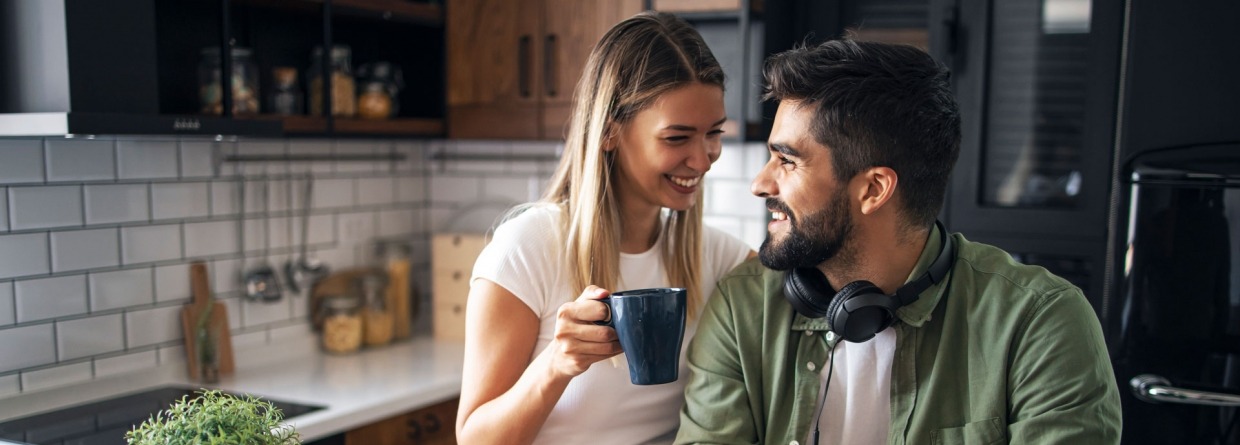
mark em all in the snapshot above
pixel 343 96
pixel 244 81
pixel 342 324
pixel 376 316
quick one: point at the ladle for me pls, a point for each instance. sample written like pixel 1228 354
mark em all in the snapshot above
pixel 261 282
pixel 305 270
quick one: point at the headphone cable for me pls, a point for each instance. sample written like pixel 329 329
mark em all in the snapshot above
pixel 825 386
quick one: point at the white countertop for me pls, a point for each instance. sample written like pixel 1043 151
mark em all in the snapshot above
pixel 357 389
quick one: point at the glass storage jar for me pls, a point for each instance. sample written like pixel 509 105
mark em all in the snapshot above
pixel 286 97
pixel 342 324
pixel 376 316
pixel 342 95
pixel 244 81
pixel 378 93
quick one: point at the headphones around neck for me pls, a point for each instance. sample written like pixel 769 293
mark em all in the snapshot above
pixel 860 310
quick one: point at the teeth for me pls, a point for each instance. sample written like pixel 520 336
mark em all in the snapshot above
pixel 686 182
pixel 778 216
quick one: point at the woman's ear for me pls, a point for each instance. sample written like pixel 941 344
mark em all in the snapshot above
pixel 611 138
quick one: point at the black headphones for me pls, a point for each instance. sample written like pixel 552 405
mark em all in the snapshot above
pixel 860 309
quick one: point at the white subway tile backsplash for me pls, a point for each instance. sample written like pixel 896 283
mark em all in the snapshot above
pixel 372 191
pixel 172 283
pixel 170 354
pixel 731 163
pixel 8 314
pixel 331 193
pixel 510 190
pixel 27 346
pixel 725 224
pixel 21 161
pixel 85 249
pixel 180 200
pixel 196 159
pixel 263 147
pixel 146 159
pixel 756 156
pixel 45 298
pixel 318 148
pixel 322 229
pixel 225 276
pixel 282 232
pixel 458 190
pixel 254 235
pixel 210 238
pixel 278 194
pixel 394 223
pixel 150 243
pixel 357 148
pixel 51 206
pixel 122 364
pixel 258 313
pixel 754 233
pixel 121 289
pixel 117 203
pixel 80 160
pixel 147 327
pixel 732 197
pixel 4 209
pixel 356 227
pixel 58 376
pixel 410 189
pixel 85 337
pixel 25 254
pixel 224 196
pixel 10 384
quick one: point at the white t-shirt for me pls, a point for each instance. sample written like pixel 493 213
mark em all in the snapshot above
pixel 858 406
pixel 600 406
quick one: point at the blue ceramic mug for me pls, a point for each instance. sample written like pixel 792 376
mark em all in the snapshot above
pixel 650 324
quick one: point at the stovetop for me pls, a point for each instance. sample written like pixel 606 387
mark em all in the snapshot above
pixel 105 422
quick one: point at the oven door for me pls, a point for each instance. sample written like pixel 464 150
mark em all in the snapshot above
pixel 1174 329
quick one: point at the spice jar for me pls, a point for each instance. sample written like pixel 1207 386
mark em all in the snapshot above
pixel 376 318
pixel 286 97
pixel 342 95
pixel 380 83
pixel 244 81
pixel 342 324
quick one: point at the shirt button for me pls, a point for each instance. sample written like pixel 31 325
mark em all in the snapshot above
pixel 810 366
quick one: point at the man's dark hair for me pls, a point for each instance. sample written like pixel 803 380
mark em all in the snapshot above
pixel 877 104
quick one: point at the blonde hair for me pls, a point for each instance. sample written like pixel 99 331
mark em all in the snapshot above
pixel 634 63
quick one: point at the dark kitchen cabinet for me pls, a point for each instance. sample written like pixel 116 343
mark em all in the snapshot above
pixel 1036 82
pixel 133 66
pixel 433 425
pixel 513 65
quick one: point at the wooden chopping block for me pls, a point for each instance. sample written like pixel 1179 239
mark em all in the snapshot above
pixel 217 323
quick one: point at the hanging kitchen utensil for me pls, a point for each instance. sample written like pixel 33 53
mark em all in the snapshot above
pixel 261 282
pixel 306 270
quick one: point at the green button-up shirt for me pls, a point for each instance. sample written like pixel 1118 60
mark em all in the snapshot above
pixel 999 352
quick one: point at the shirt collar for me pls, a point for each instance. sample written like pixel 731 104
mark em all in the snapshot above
pixel 914 314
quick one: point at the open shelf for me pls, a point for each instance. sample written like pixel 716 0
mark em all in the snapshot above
pixel 317 125
pixel 429 14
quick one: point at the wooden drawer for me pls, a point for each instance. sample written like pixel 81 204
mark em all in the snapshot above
pixel 433 425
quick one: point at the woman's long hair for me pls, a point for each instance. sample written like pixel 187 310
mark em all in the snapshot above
pixel 634 63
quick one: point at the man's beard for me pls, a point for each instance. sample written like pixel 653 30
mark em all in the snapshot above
pixel 811 240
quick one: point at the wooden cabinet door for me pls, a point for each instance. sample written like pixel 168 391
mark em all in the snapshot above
pixel 493 66
pixel 433 425
pixel 572 28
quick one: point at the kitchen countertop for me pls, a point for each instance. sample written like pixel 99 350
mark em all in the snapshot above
pixel 356 389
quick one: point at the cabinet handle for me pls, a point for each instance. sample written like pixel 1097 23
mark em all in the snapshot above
pixel 432 423
pixel 523 65
pixel 549 64
pixel 415 430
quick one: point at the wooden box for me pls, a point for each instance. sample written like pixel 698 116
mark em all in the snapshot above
pixel 452 262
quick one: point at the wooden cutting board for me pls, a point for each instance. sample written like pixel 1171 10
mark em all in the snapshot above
pixel 217 323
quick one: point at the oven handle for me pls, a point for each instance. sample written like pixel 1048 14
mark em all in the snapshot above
pixel 1153 388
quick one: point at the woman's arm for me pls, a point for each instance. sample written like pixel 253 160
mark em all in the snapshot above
pixel 505 397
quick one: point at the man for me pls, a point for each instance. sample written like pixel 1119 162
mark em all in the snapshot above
pixel 945 340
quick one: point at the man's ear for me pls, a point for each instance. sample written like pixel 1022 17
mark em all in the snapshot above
pixel 874 188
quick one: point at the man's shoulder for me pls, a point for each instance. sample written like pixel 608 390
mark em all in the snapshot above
pixel 989 267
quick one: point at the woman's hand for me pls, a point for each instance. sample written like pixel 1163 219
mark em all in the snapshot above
pixel 578 342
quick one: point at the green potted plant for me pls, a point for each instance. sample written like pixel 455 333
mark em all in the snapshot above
pixel 214 417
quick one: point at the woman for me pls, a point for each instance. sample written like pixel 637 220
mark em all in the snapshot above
pixel 623 211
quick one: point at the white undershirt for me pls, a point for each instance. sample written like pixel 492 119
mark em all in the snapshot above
pixel 858 405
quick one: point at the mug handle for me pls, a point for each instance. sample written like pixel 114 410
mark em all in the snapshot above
pixel 608 321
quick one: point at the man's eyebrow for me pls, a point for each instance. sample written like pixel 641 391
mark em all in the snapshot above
pixel 784 149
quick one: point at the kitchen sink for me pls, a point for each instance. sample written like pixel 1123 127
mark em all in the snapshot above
pixel 105 422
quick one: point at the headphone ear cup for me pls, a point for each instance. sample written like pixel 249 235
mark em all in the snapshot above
pixel 867 319
pixel 806 289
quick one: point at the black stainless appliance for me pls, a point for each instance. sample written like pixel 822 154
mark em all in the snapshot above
pixel 1174 326
pixel 105 422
